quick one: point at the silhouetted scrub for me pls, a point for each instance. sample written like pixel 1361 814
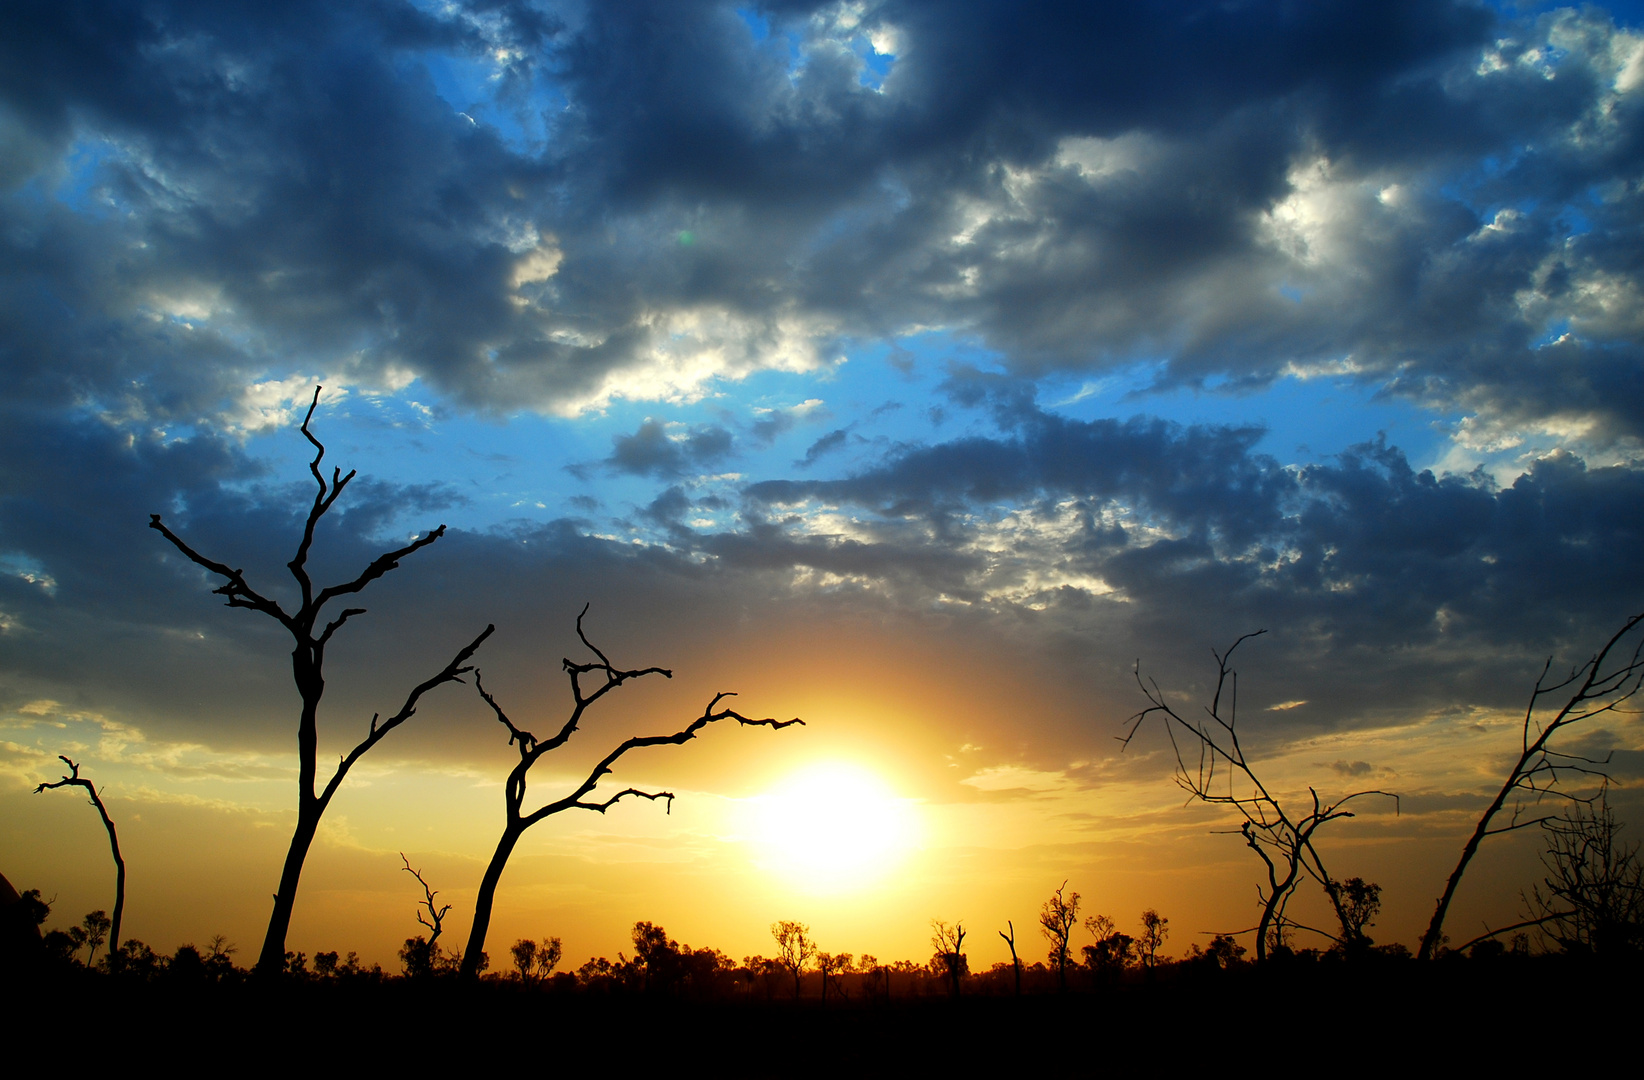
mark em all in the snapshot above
pixel 1591 901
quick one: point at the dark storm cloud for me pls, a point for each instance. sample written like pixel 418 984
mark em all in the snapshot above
pixel 651 451
pixel 199 196
pixel 1386 591
pixel 98 611
pixel 1358 560
pixel 205 194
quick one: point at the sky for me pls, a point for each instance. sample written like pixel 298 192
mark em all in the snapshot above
pixel 923 370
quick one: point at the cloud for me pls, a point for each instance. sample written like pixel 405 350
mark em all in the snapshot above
pixel 205 209
pixel 827 444
pixel 654 450
pixel 1428 196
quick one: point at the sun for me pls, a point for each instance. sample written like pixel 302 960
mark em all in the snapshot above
pixel 833 827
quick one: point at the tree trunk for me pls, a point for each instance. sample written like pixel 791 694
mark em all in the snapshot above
pixel 272 961
pixel 1435 928
pixel 487 895
pixel 119 894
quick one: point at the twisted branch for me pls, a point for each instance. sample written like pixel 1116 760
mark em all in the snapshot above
pixel 74 779
pixel 531 750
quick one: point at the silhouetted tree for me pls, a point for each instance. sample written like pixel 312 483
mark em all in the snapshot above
pixel 74 779
pixel 830 966
pixel 308 672
pixel 1057 919
pixel 875 977
pixel 533 962
pixel 1113 950
pixel 424 955
pixel 949 961
pixel 1155 928
pixel 93 931
pixel 531 750
pixel 1224 776
pixel 1356 902
pixel 1224 951
pixel 135 960
pixel 1015 961
pixel 1599 686
pixel 63 944
pixel 1592 899
pixel 794 949
pixel 763 972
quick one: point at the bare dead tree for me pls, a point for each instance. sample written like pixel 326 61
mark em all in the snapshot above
pixel 1592 900
pixel 949 943
pixel 531 750
pixel 308 671
pixel 1056 921
pixel 1596 687
pixel 74 779
pixel 435 922
pixel 1223 775
pixel 1015 961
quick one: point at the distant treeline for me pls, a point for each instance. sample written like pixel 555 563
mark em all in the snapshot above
pixel 662 967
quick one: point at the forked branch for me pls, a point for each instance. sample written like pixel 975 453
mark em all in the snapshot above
pixel 451 673
pixel 1599 686
pixel 583 796
pixel 1215 769
pixel 312 634
pixel 684 735
pixel 436 915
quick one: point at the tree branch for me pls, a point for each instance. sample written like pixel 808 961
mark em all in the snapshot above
pixel 608 803
pixel 525 739
pixel 239 593
pixel 1592 683
pixel 74 779
pixel 678 738
pixel 437 914
pixel 379 566
pixel 452 672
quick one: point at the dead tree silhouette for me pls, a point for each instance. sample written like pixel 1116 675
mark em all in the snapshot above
pixel 424 956
pixel 1057 919
pixel 1593 900
pixel 1015 961
pixel 308 672
pixel 949 943
pixel 74 779
pixel 531 750
pixel 1224 776
pixel 1539 769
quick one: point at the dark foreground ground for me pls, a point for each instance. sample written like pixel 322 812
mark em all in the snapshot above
pixel 1521 1018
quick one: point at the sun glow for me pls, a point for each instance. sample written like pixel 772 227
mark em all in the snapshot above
pixel 832 828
